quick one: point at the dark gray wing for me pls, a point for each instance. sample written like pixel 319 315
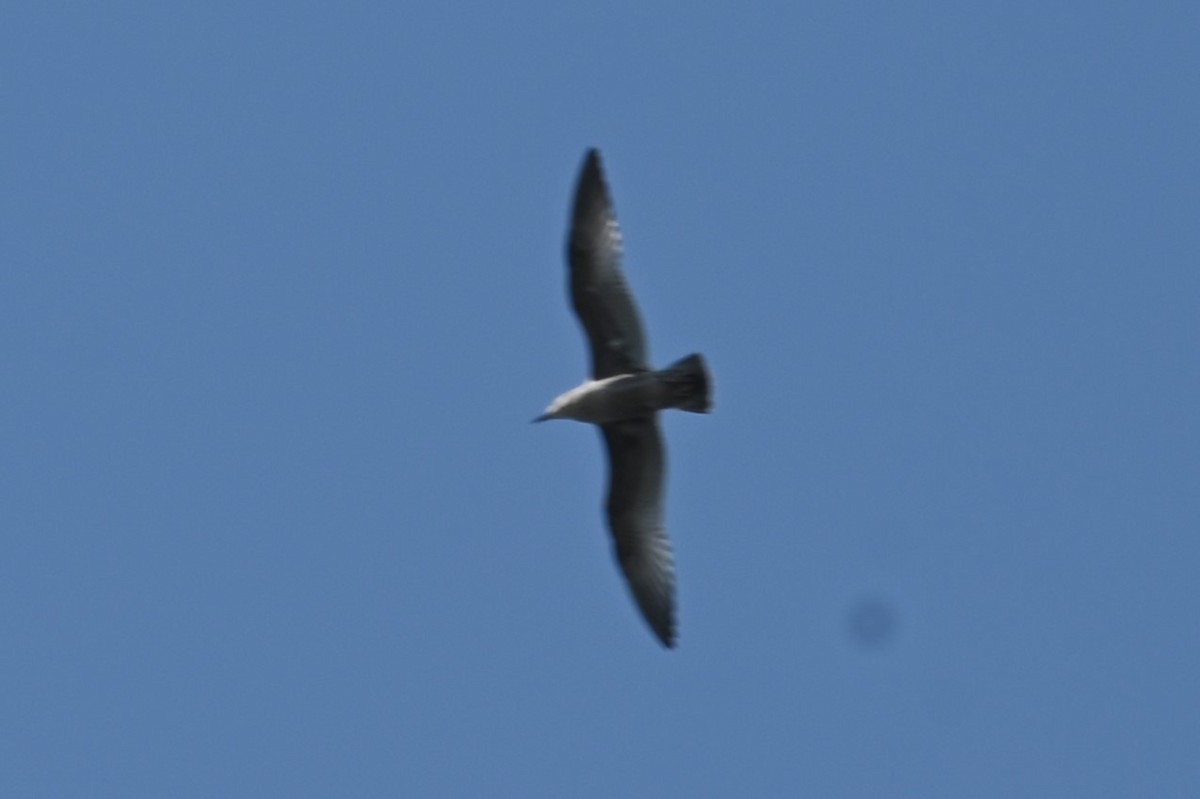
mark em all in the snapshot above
pixel 637 474
pixel 599 293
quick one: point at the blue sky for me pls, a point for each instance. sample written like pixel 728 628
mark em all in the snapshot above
pixel 281 286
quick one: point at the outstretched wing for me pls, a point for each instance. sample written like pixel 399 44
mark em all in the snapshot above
pixel 637 474
pixel 599 293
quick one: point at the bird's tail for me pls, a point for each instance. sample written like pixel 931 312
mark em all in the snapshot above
pixel 688 384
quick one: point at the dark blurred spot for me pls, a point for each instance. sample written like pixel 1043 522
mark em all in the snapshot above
pixel 872 622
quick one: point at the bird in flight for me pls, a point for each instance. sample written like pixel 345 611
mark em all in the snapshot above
pixel 624 397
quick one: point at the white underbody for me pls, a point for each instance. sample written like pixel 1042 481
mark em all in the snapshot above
pixel 610 399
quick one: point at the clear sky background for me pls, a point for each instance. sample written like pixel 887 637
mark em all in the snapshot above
pixel 282 284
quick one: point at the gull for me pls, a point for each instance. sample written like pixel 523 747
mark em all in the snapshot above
pixel 624 397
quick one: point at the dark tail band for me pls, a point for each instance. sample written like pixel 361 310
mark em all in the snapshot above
pixel 689 383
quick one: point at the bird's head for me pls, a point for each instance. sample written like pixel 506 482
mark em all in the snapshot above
pixel 557 409
pixel 553 411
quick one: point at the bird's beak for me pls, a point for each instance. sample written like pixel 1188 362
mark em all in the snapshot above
pixel 543 417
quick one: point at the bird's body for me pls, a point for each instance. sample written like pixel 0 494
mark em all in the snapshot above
pixel 636 394
pixel 624 397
